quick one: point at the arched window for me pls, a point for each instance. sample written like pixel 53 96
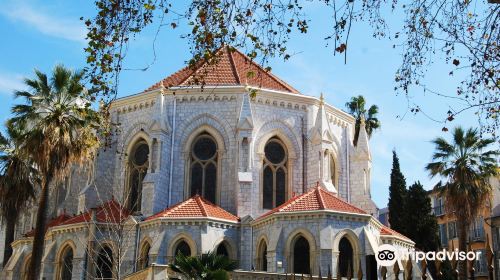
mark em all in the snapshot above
pixel 203 167
pixel 137 170
pixel 66 264
pixel 26 271
pixel 182 247
pixel 274 174
pixel 346 260
pixel 143 261
pixel 301 256
pixel 333 171
pixel 262 256
pixel 104 263
pixel 222 249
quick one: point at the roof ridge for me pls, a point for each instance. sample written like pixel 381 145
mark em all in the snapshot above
pixel 320 198
pixel 233 65
pixel 199 200
pixel 275 78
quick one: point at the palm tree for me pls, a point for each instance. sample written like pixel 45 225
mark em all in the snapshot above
pixel 465 165
pixel 209 266
pixel 17 184
pixel 60 131
pixel 356 107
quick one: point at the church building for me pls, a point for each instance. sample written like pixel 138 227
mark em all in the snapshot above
pixel 242 164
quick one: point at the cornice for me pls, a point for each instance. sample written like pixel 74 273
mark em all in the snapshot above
pixel 319 214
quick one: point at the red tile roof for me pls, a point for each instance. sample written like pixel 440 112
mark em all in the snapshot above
pixel 232 68
pixel 195 207
pixel 314 200
pixel 52 223
pixel 388 231
pixel 108 212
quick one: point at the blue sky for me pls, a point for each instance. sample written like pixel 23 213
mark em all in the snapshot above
pixel 40 34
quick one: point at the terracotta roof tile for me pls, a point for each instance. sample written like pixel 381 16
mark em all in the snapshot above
pixel 195 207
pixel 232 68
pixel 314 200
pixel 108 212
pixel 388 231
pixel 52 223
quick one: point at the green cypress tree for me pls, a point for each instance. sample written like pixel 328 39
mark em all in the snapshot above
pixel 397 196
pixel 421 224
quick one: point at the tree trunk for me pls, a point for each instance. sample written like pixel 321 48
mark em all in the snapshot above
pixel 462 247
pixel 10 228
pixel 39 239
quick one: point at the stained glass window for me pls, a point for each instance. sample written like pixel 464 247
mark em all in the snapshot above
pixel 138 167
pixel 203 167
pixel 274 182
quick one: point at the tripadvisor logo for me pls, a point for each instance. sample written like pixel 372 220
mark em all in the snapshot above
pixel 387 255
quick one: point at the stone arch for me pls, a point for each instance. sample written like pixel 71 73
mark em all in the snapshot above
pixel 333 155
pixel 230 246
pixel 223 134
pixel 176 240
pixel 68 244
pixel 289 248
pixel 187 150
pixel 131 144
pixel 219 126
pixel 25 267
pixel 144 259
pixel 261 253
pixel 103 256
pixel 355 243
pixel 277 128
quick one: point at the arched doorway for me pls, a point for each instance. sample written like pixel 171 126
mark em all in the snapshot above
pixel 346 257
pixel 66 264
pixel 262 256
pixel 143 261
pixel 222 249
pixel 105 263
pixel 183 248
pixel 301 256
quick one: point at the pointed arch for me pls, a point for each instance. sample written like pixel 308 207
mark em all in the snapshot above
pixel 144 259
pixel 301 251
pixel 182 239
pixel 261 254
pixel 138 162
pixel 347 247
pixel 204 150
pixel 64 260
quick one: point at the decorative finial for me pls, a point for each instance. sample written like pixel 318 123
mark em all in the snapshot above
pixel 162 88
pixel 321 99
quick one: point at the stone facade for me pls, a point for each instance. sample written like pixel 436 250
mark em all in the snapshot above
pixel 317 138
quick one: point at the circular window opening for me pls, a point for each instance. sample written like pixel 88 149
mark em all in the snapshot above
pixel 275 152
pixel 141 154
pixel 204 148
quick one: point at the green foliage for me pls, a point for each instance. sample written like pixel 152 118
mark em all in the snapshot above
pixel 465 166
pixel 356 107
pixel 18 179
pixel 420 224
pixel 397 197
pixel 59 130
pixel 209 266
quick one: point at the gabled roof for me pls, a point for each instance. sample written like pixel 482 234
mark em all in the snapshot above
pixel 390 232
pixel 195 207
pixel 108 212
pixel 314 200
pixel 232 68
pixel 52 223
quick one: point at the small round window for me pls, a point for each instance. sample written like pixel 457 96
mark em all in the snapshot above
pixel 204 148
pixel 141 154
pixel 274 152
